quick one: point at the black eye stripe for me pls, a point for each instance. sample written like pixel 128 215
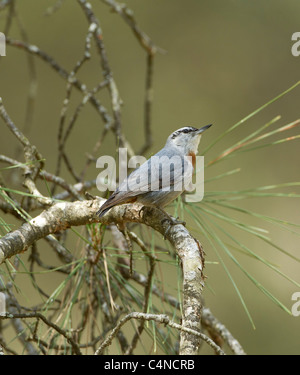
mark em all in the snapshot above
pixel 184 130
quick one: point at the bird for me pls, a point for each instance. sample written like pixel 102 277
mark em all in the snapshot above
pixel 149 183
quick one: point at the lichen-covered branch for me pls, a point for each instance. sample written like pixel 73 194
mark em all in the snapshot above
pixel 63 215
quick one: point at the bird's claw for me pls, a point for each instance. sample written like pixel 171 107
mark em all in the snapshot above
pixel 176 221
pixel 172 221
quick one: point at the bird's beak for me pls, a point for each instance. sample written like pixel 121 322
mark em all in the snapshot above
pixel 201 130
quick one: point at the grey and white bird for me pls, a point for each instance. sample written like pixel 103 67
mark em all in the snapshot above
pixel 161 179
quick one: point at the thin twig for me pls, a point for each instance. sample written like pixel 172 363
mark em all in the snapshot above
pixel 37 315
pixel 107 72
pixel 147 291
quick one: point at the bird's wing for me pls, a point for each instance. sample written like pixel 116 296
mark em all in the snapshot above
pixel 128 190
pixel 164 171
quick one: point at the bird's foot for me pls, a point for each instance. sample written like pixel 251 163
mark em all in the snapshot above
pixel 172 221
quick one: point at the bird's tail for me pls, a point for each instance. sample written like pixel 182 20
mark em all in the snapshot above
pixel 114 200
pixel 102 211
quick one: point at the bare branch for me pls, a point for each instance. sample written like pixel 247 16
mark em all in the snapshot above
pixel 161 319
pixel 216 328
pixel 114 93
pixel 64 215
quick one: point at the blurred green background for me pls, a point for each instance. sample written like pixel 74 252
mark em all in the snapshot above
pixel 224 59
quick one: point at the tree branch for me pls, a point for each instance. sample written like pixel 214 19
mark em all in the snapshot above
pixel 161 319
pixel 63 215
